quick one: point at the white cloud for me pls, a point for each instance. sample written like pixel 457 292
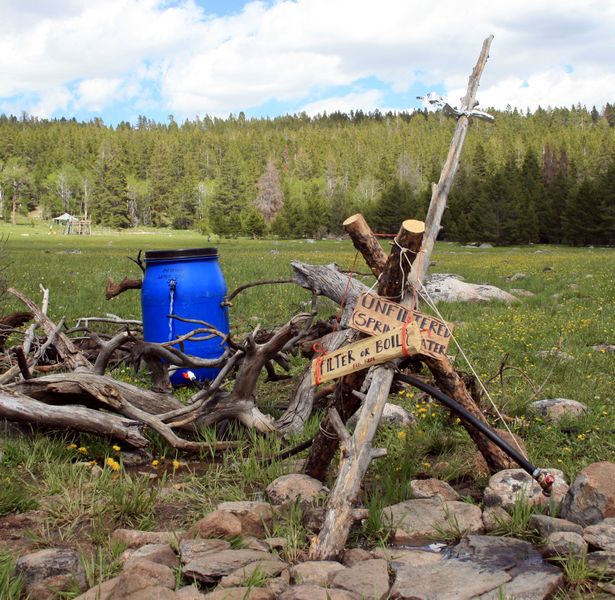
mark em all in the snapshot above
pixel 294 50
pixel 366 101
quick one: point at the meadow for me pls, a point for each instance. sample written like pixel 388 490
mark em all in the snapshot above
pixel 572 309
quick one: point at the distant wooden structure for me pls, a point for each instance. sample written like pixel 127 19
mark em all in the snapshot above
pixel 81 226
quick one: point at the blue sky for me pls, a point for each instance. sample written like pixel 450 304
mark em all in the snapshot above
pixel 119 59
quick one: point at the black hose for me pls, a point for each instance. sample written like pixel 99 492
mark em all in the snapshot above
pixel 470 418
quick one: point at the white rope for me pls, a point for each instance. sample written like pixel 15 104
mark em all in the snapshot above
pixel 428 300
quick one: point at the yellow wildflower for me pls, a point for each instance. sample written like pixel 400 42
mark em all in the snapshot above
pixel 113 464
pixel 581 437
pixel 83 450
pixel 72 446
pixel 176 464
pixel 155 463
pixel 401 435
pixel 116 448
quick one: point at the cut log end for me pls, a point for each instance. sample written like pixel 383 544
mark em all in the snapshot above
pixel 413 226
pixel 353 219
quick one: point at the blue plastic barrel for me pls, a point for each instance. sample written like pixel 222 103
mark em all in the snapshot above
pixel 188 283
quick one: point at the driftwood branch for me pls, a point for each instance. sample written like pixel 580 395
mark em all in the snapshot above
pixel 114 289
pixel 23 409
pixel 73 358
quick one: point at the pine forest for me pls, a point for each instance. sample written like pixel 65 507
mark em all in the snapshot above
pixel 546 176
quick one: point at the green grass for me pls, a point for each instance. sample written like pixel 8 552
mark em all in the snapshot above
pixel 573 308
pixel 10 586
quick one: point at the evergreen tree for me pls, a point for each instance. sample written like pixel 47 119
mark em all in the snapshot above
pixel 110 193
pixel 230 198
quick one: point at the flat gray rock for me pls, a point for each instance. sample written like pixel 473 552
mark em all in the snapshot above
pixel 191 549
pixel 420 521
pixel 603 561
pixel 367 579
pixel 211 567
pixel 538 582
pixel 446 580
pixel 270 568
pixel 316 572
pixel 565 543
pixel 601 535
pixel 546 525
pixel 496 553
pixel 443 287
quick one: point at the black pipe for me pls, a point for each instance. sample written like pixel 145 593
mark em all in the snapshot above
pixel 544 479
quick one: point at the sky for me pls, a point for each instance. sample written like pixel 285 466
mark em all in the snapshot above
pixel 118 59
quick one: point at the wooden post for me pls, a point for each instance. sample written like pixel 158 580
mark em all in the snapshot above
pixel 366 243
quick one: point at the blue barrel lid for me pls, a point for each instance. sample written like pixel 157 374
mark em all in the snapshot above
pixel 181 253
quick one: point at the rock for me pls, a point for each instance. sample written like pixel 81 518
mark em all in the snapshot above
pixel 535 582
pixel 564 543
pixel 136 458
pixel 516 277
pixel 352 556
pixel 555 353
pixel 420 521
pixel 313 592
pixel 50 569
pixel 240 593
pixel 519 292
pixel 401 557
pixel 513 485
pixel 143 575
pixel 495 517
pixel 133 538
pixel 155 592
pixel 548 269
pixel 547 525
pixel 313 518
pixel 289 488
pixel 391 415
pixel 591 497
pixel 102 591
pixel 603 562
pixel 604 348
pixel 446 580
pixel 267 568
pixel 276 543
pixel 557 408
pixel 601 535
pixel 189 592
pixel 485 245
pixel 217 524
pixel 530 576
pixel 367 579
pixel 256 517
pixel 159 553
pixel 443 287
pixel 191 549
pixel 319 572
pixel 495 553
pixel 432 488
pixel 211 567
pixel 278 585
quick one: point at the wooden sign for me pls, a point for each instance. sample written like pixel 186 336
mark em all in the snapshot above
pixel 375 315
pixel 403 341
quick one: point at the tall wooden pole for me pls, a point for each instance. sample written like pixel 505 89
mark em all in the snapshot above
pixel 440 191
